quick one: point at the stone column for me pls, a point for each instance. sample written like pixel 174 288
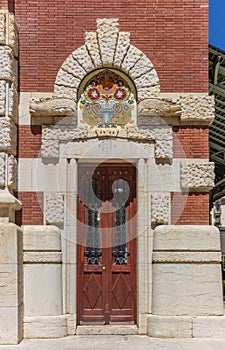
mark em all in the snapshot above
pixel 11 284
pixel 11 250
pixel 69 246
pixel 8 115
pixel 143 285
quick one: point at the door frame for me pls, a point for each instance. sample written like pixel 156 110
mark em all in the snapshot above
pixel 116 151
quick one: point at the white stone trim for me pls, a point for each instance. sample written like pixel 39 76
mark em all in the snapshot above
pixel 186 257
pixel 140 155
pixel 160 135
pixel 107 330
pixel 42 257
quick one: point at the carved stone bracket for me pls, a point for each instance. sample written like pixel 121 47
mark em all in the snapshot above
pixel 189 108
pixel 52 106
pixel 161 136
pixel 160 107
pixel 197 176
pixel 160 209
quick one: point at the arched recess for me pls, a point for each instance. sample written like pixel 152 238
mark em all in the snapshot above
pixel 107 47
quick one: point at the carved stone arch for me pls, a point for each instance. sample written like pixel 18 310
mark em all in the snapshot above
pixel 107 47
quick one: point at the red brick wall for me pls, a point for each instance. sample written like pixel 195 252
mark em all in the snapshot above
pixel 189 208
pixel 190 142
pixel 4 5
pixel 31 212
pixel 29 141
pixel 172 33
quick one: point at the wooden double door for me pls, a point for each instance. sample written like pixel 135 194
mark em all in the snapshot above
pixel 107 244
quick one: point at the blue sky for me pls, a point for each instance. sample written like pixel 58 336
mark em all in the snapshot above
pixel 217 23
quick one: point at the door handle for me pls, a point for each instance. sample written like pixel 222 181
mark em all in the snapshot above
pixel 103 268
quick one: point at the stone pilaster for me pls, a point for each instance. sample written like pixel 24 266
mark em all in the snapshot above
pixel 8 115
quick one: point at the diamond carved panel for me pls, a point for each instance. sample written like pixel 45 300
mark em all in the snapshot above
pixel 121 290
pixel 92 290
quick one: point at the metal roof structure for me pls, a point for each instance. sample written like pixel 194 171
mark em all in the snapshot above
pixel 217 129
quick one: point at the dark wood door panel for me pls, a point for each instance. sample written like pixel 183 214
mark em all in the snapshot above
pixel 107 284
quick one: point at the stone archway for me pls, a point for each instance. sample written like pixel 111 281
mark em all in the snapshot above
pixel 107 47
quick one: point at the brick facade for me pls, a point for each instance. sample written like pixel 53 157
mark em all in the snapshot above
pixel 32 210
pixel 173 34
pixel 189 208
pixel 190 142
pixel 29 141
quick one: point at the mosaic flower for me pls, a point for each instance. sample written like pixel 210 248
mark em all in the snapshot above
pixel 120 94
pixel 93 94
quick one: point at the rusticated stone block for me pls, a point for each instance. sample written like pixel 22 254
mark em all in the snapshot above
pixel 142 66
pixel 132 56
pixel 122 46
pixel 8 65
pixel 8 100
pixel 91 42
pixel 82 56
pixel 72 66
pixel 8 31
pixel 159 209
pixel 196 108
pixel 148 92
pixel 50 148
pixel 197 176
pixel 66 79
pixel 54 208
pixel 147 79
pixel 107 31
pixel 164 142
pixel 12 170
pixel 8 135
pixel 2 28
